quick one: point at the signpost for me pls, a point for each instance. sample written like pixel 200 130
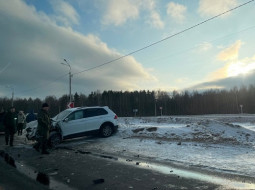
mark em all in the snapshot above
pixel 135 111
pixel 241 106
pixel 161 110
pixel 70 105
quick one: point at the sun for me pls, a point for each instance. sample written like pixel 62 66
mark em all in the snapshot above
pixel 239 68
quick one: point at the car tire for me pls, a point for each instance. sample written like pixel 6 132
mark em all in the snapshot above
pixel 55 139
pixel 106 130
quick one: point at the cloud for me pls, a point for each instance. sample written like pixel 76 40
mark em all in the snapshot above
pixel 227 83
pixel 231 52
pixel 64 13
pixel 212 8
pixel 176 11
pixel 234 68
pixel 235 73
pixel 36 45
pixel 156 20
pixel 119 12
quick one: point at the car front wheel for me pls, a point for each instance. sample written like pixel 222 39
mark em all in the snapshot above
pixel 106 130
pixel 55 139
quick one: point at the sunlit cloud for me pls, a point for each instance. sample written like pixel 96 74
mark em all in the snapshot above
pixel 231 52
pixel 119 12
pixel 233 73
pixel 212 8
pixel 240 68
pixel 176 11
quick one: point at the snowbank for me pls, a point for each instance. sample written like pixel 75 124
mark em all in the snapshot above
pixel 186 129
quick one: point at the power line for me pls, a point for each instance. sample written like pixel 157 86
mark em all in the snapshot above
pixel 164 39
pixel 197 46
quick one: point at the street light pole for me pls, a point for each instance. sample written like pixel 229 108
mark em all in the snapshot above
pixel 11 87
pixel 12 95
pixel 70 80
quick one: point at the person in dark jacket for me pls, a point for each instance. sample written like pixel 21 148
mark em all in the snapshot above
pixel 2 115
pixel 10 126
pixel 31 117
pixel 43 129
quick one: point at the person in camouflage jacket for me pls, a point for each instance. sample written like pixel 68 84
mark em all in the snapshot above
pixel 43 129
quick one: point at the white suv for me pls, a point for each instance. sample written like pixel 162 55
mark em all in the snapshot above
pixel 82 121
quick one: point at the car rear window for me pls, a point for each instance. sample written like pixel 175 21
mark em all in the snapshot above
pixel 91 112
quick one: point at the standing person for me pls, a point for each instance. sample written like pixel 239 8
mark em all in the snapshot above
pixel 21 122
pixel 43 128
pixel 2 115
pixel 10 126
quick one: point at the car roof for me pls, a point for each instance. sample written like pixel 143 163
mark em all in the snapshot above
pixel 79 108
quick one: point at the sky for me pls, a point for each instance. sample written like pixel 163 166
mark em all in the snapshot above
pixel 124 45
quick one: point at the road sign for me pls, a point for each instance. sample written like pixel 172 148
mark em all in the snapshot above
pixel 70 105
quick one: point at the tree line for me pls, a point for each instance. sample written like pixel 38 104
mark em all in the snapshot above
pixel 150 103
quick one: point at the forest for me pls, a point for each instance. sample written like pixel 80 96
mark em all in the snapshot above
pixel 149 103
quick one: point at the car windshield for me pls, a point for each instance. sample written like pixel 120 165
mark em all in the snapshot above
pixel 62 114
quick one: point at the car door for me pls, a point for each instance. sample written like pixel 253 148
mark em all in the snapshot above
pixel 93 118
pixel 73 124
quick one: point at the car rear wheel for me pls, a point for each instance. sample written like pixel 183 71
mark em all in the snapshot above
pixel 55 139
pixel 106 130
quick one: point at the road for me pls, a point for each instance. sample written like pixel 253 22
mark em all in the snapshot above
pixel 79 168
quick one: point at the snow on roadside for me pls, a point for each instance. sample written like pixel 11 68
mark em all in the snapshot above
pixel 224 143
pixel 177 129
pixel 207 142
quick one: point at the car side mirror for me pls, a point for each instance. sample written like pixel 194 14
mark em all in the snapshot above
pixel 66 120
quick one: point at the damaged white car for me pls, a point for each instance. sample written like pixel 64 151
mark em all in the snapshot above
pixel 78 122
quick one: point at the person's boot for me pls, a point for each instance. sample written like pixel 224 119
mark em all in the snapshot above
pixel 36 147
pixel 6 140
pixel 11 140
pixel 45 152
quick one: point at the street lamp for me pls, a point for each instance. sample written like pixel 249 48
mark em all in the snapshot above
pixel 70 76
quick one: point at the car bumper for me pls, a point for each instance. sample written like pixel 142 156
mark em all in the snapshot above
pixel 115 128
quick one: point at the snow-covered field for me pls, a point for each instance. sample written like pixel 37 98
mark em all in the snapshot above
pixel 224 143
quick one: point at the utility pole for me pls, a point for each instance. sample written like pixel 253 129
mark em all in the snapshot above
pixel 70 79
pixel 155 107
pixel 11 87
pixel 12 96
